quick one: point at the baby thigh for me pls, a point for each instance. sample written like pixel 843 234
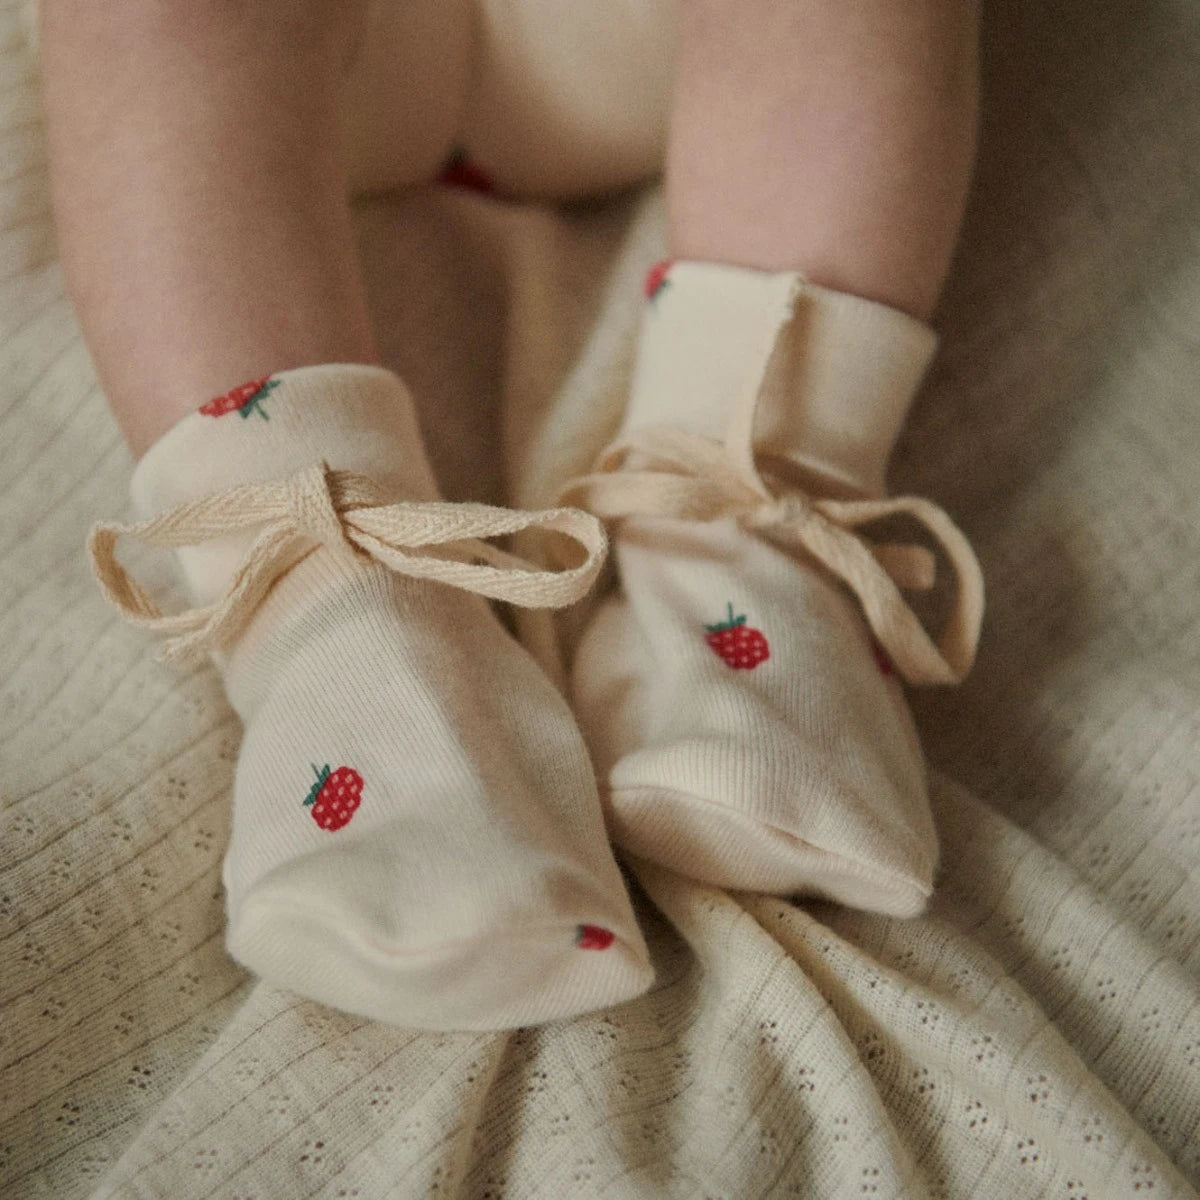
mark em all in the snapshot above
pixel 406 91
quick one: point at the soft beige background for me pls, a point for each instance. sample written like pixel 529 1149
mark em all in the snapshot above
pixel 1036 1035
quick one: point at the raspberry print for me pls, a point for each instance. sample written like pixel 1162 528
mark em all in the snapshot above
pixel 738 644
pixel 335 797
pixel 593 937
pixel 656 279
pixel 244 399
pixel 461 172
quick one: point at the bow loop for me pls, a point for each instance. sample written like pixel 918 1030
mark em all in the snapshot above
pixel 669 473
pixel 348 513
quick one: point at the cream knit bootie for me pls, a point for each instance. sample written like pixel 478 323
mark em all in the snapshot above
pixel 740 689
pixel 416 831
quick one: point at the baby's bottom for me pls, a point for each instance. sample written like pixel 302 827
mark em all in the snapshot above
pixel 200 154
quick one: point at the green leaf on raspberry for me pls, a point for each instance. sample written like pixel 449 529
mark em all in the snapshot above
pixel 322 774
pixel 254 403
pixel 732 623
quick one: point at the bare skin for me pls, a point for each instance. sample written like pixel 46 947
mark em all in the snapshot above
pixel 199 174
pixel 829 138
pixel 200 196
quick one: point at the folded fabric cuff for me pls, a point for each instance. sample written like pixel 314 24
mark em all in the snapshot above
pixel 352 417
pixel 772 364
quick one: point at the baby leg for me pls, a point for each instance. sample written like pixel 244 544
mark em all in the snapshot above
pixel 830 139
pixel 749 731
pixel 416 832
pixel 200 194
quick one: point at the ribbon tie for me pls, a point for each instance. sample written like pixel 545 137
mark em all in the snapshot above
pixel 348 513
pixel 665 472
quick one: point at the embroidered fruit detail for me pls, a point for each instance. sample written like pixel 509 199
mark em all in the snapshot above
pixel 656 279
pixel 245 399
pixel 593 937
pixel 741 646
pixel 461 172
pixel 335 797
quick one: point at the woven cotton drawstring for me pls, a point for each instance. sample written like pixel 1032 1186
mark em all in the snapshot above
pixel 346 511
pixel 665 472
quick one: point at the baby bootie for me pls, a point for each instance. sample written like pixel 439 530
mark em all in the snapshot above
pixel 416 832
pixel 740 690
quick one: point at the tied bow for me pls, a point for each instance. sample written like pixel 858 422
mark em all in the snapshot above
pixel 348 513
pixel 664 472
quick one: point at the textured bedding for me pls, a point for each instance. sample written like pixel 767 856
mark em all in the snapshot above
pixel 1036 1034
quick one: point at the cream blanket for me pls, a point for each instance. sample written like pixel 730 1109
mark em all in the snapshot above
pixel 1036 1035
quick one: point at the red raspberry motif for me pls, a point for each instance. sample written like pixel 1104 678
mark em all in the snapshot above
pixel 656 279
pixel 335 797
pixel 244 399
pixel 461 172
pixel 593 937
pixel 741 646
